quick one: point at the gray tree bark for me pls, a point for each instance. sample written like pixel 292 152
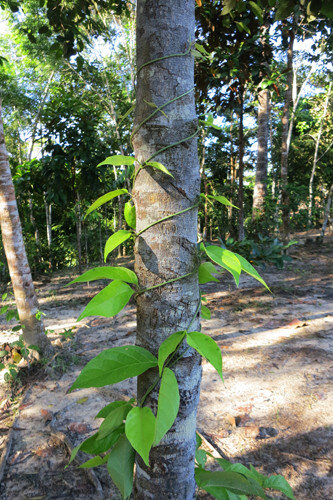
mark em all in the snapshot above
pixel 260 185
pixel 327 212
pixel 167 250
pixel 24 292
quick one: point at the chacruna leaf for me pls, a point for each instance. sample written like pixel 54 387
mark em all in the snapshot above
pixel 225 259
pixel 130 214
pixel 109 301
pixel 168 404
pixel 104 412
pixel 159 166
pixel 113 420
pixel 208 348
pixel 205 312
pixel 140 429
pixel 109 273
pixel 168 346
pixel 249 269
pixel 205 272
pixel 113 365
pixel 105 198
pixel 212 481
pixel 115 240
pixel 223 200
pixel 120 466
pixel 118 160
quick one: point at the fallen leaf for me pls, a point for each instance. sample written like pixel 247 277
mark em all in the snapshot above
pixel 46 414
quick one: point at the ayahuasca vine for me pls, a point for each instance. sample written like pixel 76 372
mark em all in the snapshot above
pixel 129 426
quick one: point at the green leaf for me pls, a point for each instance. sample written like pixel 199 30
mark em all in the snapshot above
pixel 104 412
pixel 233 481
pixel 257 11
pixel 205 312
pixel 242 27
pixel 118 160
pixel 168 404
pixel 109 273
pixel 94 446
pixel 201 457
pixel 249 269
pixel 223 200
pixel 120 466
pixel 113 420
pixel 113 365
pixel 228 7
pixel 279 483
pixel 130 214
pixel 198 441
pixel 205 273
pixel 140 429
pixel 159 166
pixel 225 259
pixel 168 346
pixel 2 366
pixel 208 348
pixel 3 353
pixel 115 240
pixel 94 462
pixel 105 198
pixel 109 301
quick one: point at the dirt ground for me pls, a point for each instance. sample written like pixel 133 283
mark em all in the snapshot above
pixel 274 410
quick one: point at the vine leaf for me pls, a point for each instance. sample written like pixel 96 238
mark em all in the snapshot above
pixel 159 166
pixel 109 301
pixel 205 272
pixel 249 269
pixel 225 259
pixel 113 421
pixel 223 200
pixel 208 348
pixel 279 483
pixel 168 404
pixel 118 160
pixel 104 199
pixel 140 429
pixel 130 214
pixel 121 464
pixel 168 346
pixel 109 273
pixel 104 412
pixel 212 482
pixel 94 446
pixel 94 462
pixel 205 312
pixel 114 365
pixel 115 240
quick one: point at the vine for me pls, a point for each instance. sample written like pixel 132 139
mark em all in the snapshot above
pixel 118 437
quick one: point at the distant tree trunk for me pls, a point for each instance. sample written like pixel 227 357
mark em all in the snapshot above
pixel 34 226
pixel 327 212
pixel 285 134
pixel 167 250
pixel 233 176
pixel 204 178
pixel 48 218
pixel 241 233
pixel 79 231
pixel 24 292
pixel 315 158
pixel 260 185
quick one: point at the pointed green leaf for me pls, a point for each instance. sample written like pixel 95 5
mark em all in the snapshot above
pixel 115 240
pixel 249 269
pixel 205 312
pixel 257 11
pixel 205 273
pixel 242 27
pixel 208 348
pixel 105 198
pixel 201 457
pixel 168 404
pixel 140 429
pixel 109 273
pixel 109 301
pixel 120 466
pixel 233 481
pixel 113 365
pixel 94 462
pixel 279 483
pixel 223 200
pixel 167 347
pixel 225 259
pixel 93 446
pixel 104 412
pixel 118 160
pixel 113 420
pixel 159 166
pixel 130 214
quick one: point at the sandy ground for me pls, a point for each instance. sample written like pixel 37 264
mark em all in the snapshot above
pixel 274 410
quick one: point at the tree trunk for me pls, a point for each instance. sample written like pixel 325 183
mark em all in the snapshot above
pixel 315 158
pixel 205 183
pixel 48 218
pixel 286 135
pixel 79 232
pixel 167 250
pixel 24 292
pixel 327 212
pixel 241 233
pixel 260 185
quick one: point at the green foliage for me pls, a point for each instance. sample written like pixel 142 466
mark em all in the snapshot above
pixel 140 430
pixel 107 272
pixel 121 464
pixel 115 240
pixel 168 404
pixel 208 348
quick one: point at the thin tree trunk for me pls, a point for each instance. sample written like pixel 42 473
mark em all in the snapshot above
pixel 79 231
pixel 167 250
pixel 327 212
pixel 101 256
pixel 315 158
pixel 241 233
pixel 48 218
pixel 204 178
pixel 260 185
pixel 24 292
